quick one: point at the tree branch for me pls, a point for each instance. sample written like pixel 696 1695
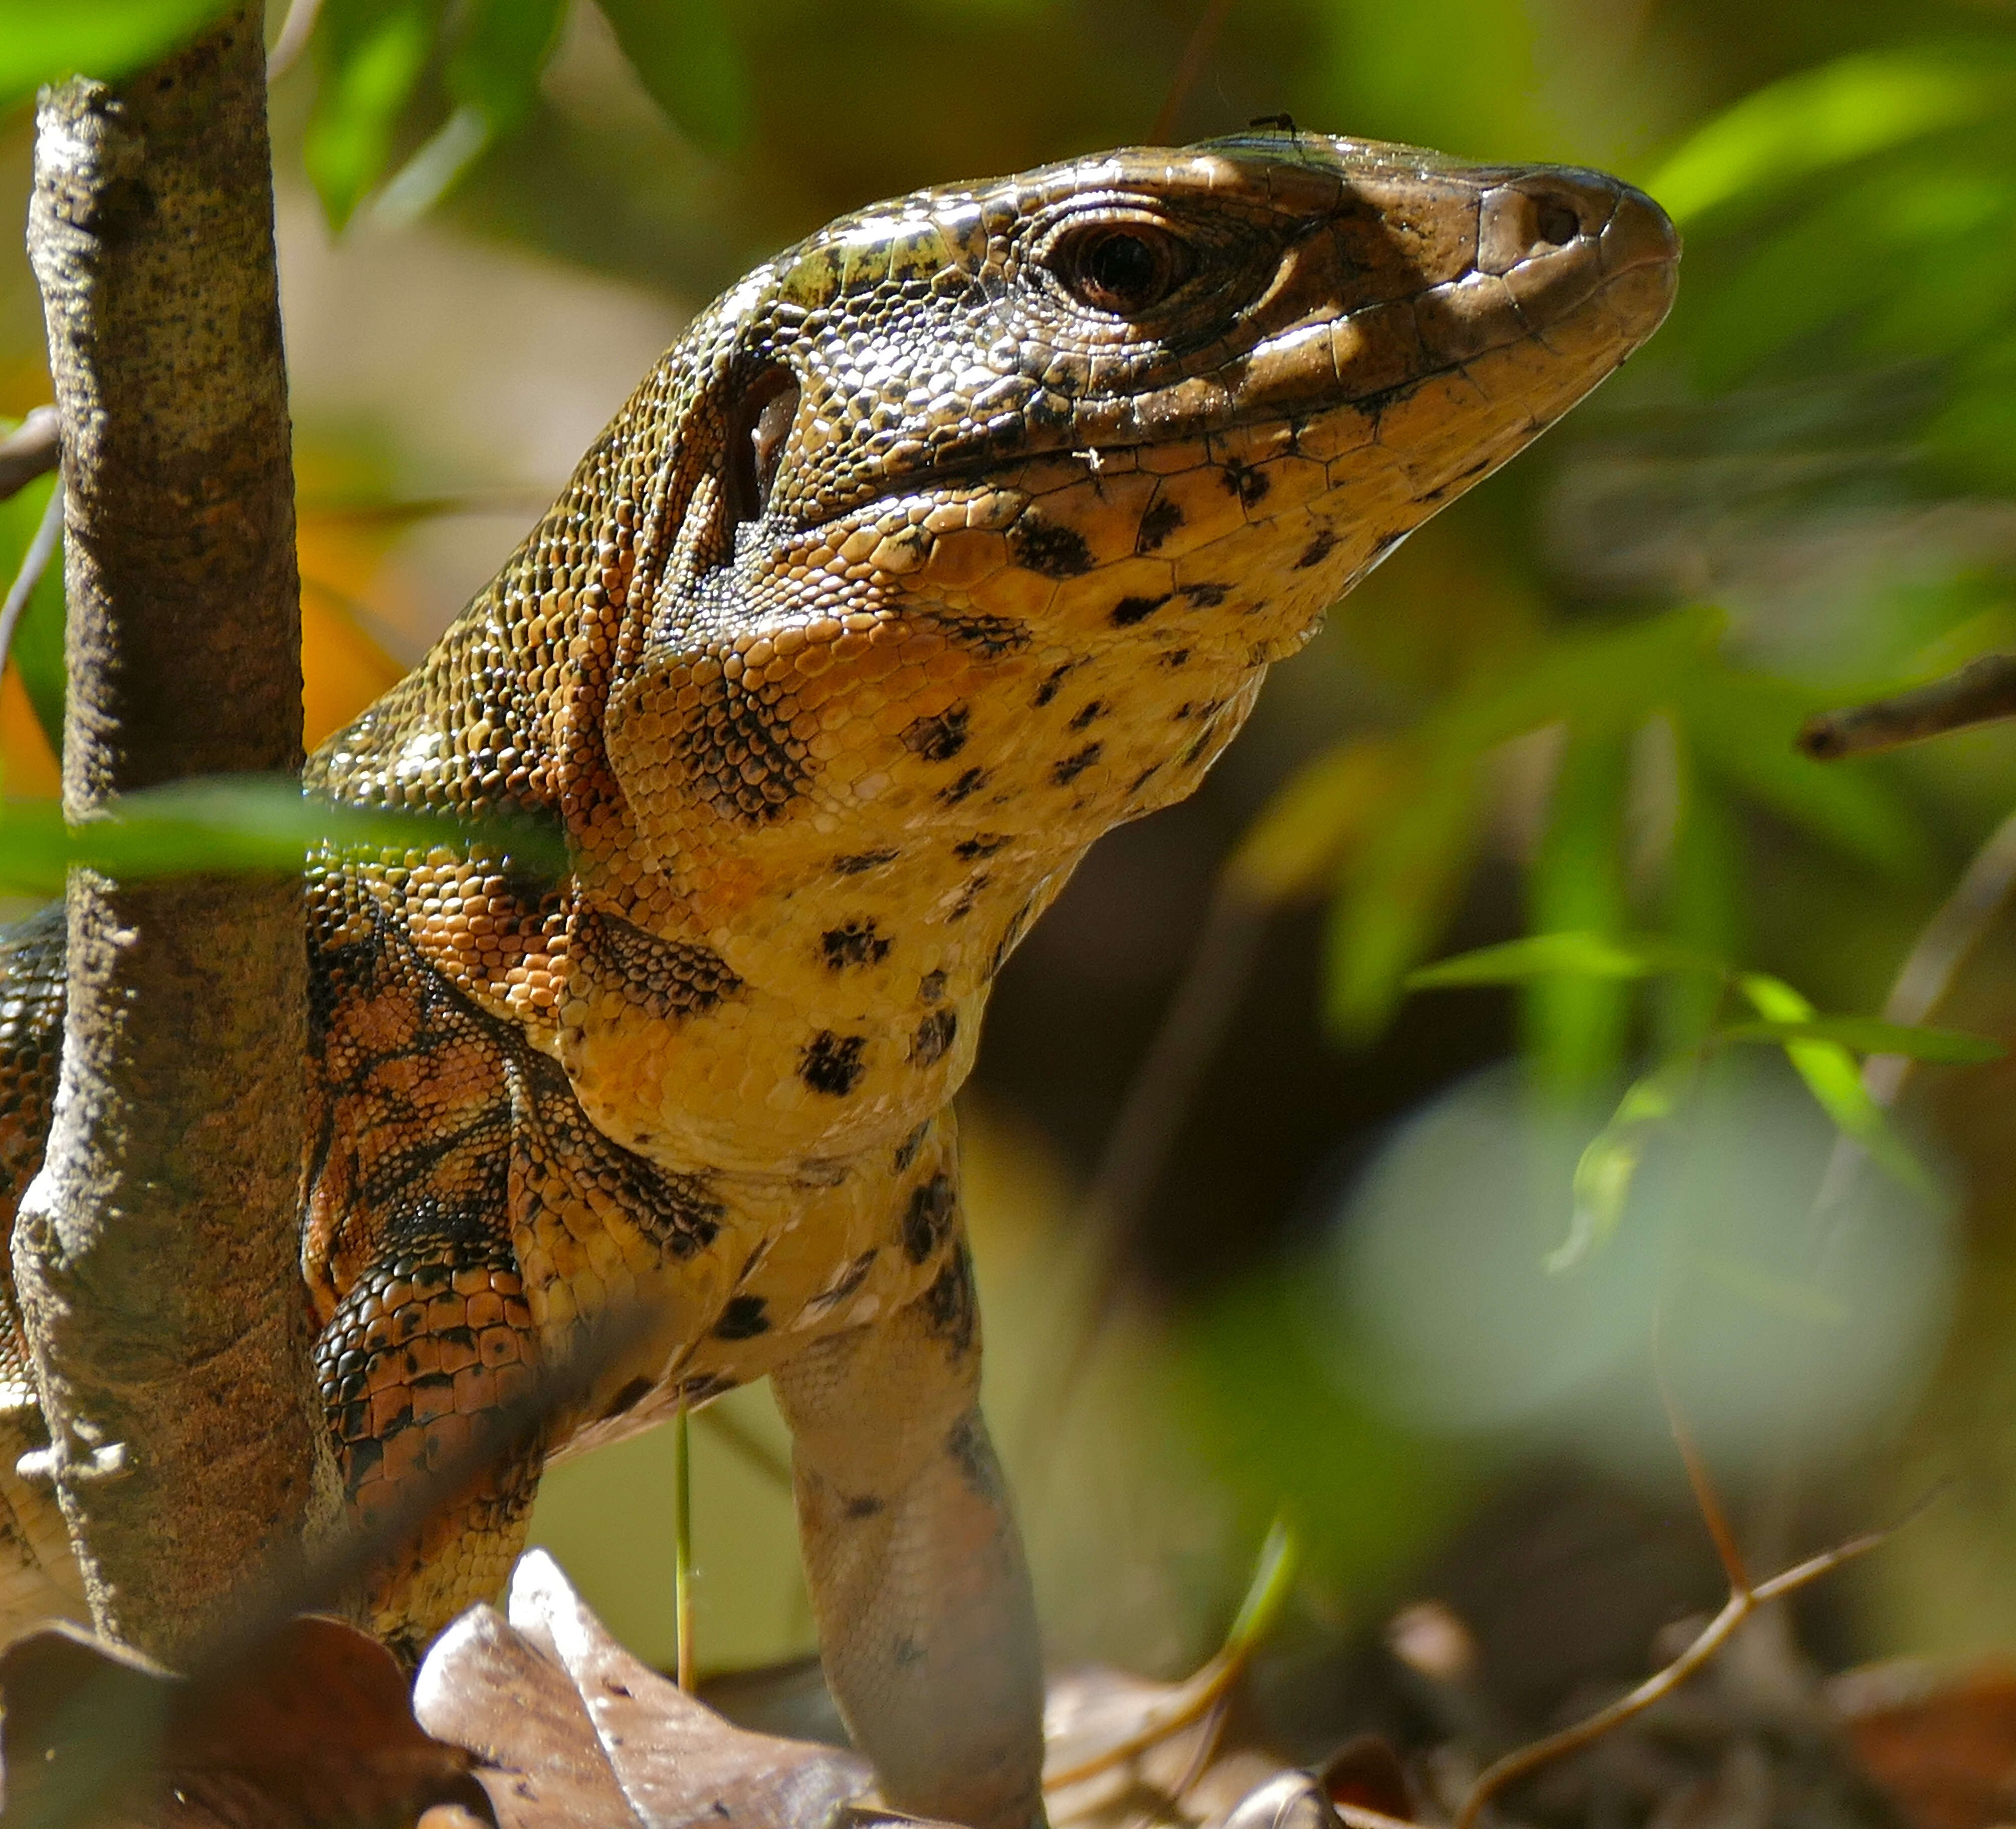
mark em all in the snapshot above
pixel 156 1254
pixel 31 450
pixel 1981 691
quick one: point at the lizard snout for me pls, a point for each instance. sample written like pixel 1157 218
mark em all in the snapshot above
pixel 1556 237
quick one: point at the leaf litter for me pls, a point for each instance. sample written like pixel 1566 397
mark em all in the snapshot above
pixel 535 1717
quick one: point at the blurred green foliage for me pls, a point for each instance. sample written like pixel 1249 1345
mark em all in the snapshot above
pixel 41 43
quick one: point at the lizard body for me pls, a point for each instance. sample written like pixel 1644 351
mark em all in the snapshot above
pixel 954 536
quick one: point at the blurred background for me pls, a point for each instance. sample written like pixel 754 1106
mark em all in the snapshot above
pixel 1260 1231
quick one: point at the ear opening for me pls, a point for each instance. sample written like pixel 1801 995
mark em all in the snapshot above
pixel 759 423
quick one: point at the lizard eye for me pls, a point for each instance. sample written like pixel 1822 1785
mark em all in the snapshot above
pixel 1123 268
pixel 757 428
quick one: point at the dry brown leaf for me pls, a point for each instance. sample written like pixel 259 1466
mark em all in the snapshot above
pixel 485 1688
pixel 312 1731
pixel 570 1728
pixel 543 1721
pixel 1942 1743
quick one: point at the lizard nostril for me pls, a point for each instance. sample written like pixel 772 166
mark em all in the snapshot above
pixel 1557 224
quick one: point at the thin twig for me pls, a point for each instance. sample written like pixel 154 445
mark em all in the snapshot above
pixel 35 562
pixel 1195 54
pixel 1273 1579
pixel 1744 1598
pixel 1701 1484
pixel 682 1595
pixel 1193 1701
pixel 33 448
pixel 1717 1633
pixel 1943 946
pixel 1208 1740
pixel 1980 692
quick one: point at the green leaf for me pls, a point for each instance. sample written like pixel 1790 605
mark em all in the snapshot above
pixel 1326 806
pixel 493 78
pixel 500 47
pixel 1607 1169
pixel 1397 890
pixel 43 41
pixel 1611 681
pixel 1585 955
pixel 253 824
pixel 1833 1079
pixel 1866 1035
pixel 1575 1023
pixel 1702 900
pixel 1267 1593
pixel 443 160
pixel 371 54
pixel 1973 433
pixel 687 57
pixel 1819 120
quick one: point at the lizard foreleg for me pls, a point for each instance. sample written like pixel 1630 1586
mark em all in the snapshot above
pixel 925 1617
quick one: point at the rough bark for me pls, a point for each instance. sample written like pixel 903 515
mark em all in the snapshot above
pixel 156 1253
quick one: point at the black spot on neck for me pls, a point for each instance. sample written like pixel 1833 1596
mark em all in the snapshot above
pixel 1050 686
pixel 933 1038
pixel 1248 484
pixel 862 860
pixel 930 987
pixel 853 943
pixel 1206 596
pixel 948 1305
pixel 1072 766
pixel 1163 518
pixel 938 738
pixel 906 1151
pixel 1131 609
pixel 1317 549
pixel 1043 546
pixel 627 1399
pixel 832 1063
pixel 743 1319
pixel 980 845
pixel 1093 709
pixel 928 1219
pixel 969 783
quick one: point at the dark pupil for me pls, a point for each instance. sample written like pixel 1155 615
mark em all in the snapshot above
pixel 1123 267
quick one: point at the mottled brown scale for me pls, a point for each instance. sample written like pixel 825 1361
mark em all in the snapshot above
pixel 924 557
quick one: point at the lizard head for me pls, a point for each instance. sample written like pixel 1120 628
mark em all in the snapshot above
pixel 965 466
pixel 970 528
